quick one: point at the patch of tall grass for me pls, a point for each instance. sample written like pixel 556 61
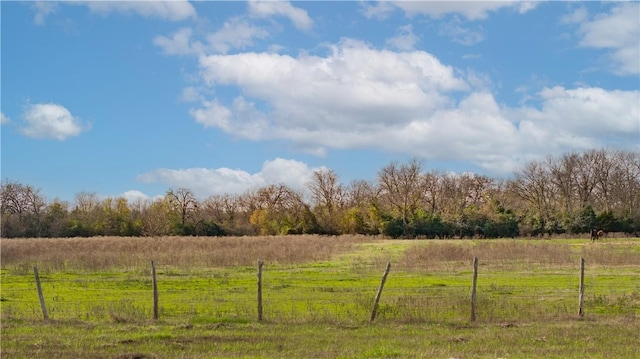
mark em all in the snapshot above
pixel 515 254
pixel 122 253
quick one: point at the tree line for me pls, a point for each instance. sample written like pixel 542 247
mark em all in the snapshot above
pixel 571 194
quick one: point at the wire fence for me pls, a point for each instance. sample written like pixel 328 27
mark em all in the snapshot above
pixel 334 293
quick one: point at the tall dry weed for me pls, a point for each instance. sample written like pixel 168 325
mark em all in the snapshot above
pixel 101 253
pixel 505 254
pixel 611 255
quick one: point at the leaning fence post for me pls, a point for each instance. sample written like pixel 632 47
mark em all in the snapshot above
pixel 40 295
pixel 155 291
pixel 473 289
pixel 377 300
pixel 260 263
pixel 581 289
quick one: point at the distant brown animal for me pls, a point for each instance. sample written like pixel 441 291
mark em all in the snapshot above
pixel 596 234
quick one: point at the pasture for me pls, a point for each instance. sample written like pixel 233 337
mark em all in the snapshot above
pixel 318 294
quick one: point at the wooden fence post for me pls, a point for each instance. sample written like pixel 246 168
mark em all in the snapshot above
pixel 260 263
pixel 581 289
pixel 40 295
pixel 473 288
pixel 155 291
pixel 377 300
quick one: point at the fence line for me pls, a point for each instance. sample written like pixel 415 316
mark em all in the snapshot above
pixel 43 306
pixel 298 293
pixel 155 291
pixel 260 263
pixel 581 289
pixel 376 301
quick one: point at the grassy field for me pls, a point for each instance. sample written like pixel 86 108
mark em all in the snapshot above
pixel 318 295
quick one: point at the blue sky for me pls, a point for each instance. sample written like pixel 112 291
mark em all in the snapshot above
pixel 133 98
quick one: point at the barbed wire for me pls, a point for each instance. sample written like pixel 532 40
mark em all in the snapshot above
pixel 337 292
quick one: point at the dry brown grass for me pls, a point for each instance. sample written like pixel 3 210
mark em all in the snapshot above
pixel 444 255
pixel 101 253
pixel 612 253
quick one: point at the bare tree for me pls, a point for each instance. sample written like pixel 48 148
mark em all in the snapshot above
pixel 625 185
pixel 586 178
pixel 401 188
pixel 432 184
pixel 280 210
pixel 328 199
pixel 22 208
pixel 17 198
pixel 182 202
pixel 86 202
pixel 563 177
pixel 533 185
pixel 227 211
pixel 155 218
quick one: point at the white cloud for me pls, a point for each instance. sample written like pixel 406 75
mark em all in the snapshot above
pixel 42 9
pixel 179 43
pixel 135 196
pixel 460 34
pixel 405 40
pixel 577 16
pixel 618 31
pixel 472 10
pixel 406 102
pixel 586 113
pixel 51 120
pixel 173 10
pixel 236 33
pixel 378 10
pixel 298 17
pixel 355 89
pixel 205 182
pixel 213 114
pixel 476 129
pixel 241 119
pixel 4 118
pixel 526 6
pixel 191 94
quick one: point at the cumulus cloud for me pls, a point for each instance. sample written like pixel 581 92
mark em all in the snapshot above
pixel 405 40
pixel 617 31
pixel 583 117
pixel 49 120
pixel 179 43
pixel 352 91
pixel 135 196
pixel 171 10
pixel 356 96
pixel 4 118
pixel 174 10
pixel 236 33
pixel 205 182
pixel 241 118
pixel 263 9
pixel 471 10
pixel 377 10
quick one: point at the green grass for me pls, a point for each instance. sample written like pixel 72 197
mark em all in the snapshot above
pixel 168 339
pixel 527 305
